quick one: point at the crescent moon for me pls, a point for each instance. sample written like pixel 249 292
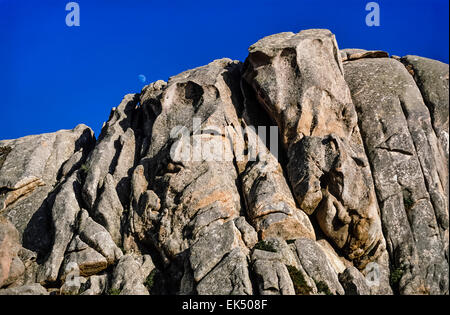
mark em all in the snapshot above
pixel 142 78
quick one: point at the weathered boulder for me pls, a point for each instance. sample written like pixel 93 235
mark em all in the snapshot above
pixel 354 282
pixel 64 216
pixel 248 233
pixel 72 285
pixel 29 289
pixel 352 54
pixel 193 190
pixel 97 237
pixel 299 80
pixel 131 273
pixel 87 244
pixel 88 261
pixel 40 157
pixel 108 211
pixel 229 277
pixel 11 267
pixel 272 275
pixel 270 204
pixel 31 168
pixel 211 247
pixel 95 285
pixel 315 263
pixel 277 269
pixel 338 263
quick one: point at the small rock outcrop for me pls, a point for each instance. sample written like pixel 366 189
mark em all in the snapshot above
pixel 304 170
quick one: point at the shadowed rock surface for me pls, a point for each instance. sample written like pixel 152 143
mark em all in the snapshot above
pixel 187 191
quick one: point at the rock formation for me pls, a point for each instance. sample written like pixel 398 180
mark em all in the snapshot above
pixel 184 193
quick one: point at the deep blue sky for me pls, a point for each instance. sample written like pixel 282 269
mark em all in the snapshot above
pixel 53 77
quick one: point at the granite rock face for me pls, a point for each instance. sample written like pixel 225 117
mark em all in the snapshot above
pixel 304 170
pixel 409 170
pixel 299 80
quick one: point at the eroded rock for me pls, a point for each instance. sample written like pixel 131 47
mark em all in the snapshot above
pixel 131 273
pixel 29 289
pixel 316 265
pixel 34 168
pixel 11 266
pixel 273 276
pixel 298 79
pixel 353 282
pixel 229 277
pixel 407 169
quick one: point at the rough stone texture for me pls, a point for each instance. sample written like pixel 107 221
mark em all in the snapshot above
pixel 273 276
pixel 72 285
pixel 408 171
pixel 432 78
pixel 352 54
pixel 354 282
pixel 270 204
pixel 209 250
pixel 11 267
pixel 70 221
pixel 40 157
pixel 287 252
pixel 32 169
pixel 186 197
pixel 64 214
pixel 298 79
pixel 338 263
pixel 89 261
pixel 315 263
pixel 29 289
pixel 249 235
pixel 229 277
pixel 97 237
pixel 130 274
pixel 109 210
pixel 111 146
pixel 379 276
pixel 184 192
pixel 95 285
